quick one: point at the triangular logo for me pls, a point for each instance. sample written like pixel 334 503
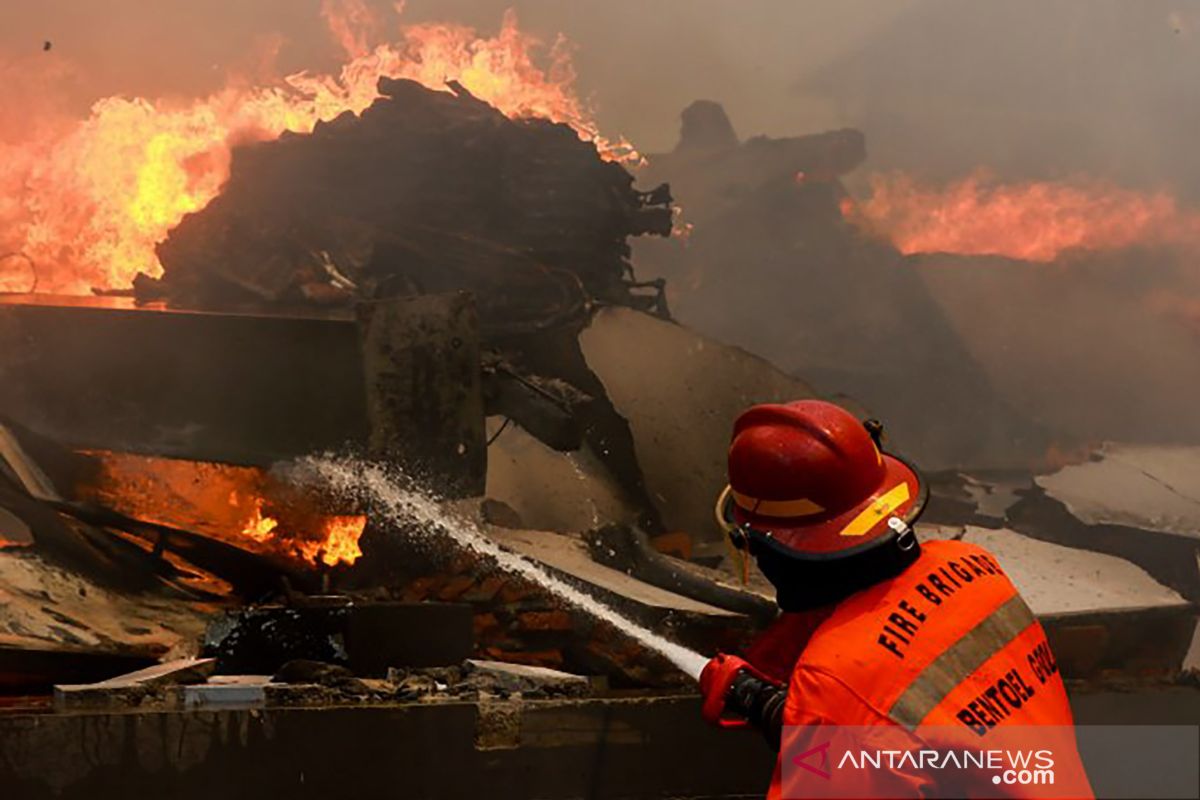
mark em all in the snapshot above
pixel 821 751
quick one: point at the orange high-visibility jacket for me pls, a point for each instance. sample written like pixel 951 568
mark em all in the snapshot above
pixel 948 642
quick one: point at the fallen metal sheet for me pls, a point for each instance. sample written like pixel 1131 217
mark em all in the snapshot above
pixel 551 490
pixel 1153 487
pixel 680 393
pixel 100 373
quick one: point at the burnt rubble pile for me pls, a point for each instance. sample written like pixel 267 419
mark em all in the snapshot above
pixel 424 192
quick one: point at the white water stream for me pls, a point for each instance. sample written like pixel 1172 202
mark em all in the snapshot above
pixel 402 505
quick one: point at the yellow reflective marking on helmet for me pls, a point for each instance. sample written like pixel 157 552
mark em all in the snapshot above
pixel 776 508
pixel 879 508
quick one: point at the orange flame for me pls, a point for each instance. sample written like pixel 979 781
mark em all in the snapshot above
pixel 1033 221
pixel 339 542
pixel 88 204
pixel 258 527
pixel 335 542
pixel 238 505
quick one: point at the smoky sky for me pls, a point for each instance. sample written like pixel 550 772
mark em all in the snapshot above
pixel 1027 87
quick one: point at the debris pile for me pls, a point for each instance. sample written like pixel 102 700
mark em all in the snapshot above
pixel 424 192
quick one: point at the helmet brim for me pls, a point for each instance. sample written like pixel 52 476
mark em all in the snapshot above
pixel 902 493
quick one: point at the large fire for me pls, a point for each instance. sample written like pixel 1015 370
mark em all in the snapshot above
pixel 83 203
pixel 1033 221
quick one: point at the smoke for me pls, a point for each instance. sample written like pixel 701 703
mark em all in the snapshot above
pixel 1028 88
pixel 1078 92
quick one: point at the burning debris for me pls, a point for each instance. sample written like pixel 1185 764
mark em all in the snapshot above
pixel 91 199
pixel 242 506
pixel 424 192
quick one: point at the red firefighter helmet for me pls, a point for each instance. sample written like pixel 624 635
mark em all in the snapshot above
pixel 810 478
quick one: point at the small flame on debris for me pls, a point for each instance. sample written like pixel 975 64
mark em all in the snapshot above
pixel 337 539
pixel 340 543
pixel 258 527
pixel 237 505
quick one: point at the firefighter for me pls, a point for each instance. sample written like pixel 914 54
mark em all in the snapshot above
pixel 876 629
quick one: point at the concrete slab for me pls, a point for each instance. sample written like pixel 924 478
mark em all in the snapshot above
pixel 1066 580
pixel 524 678
pixel 248 693
pixel 132 687
pixel 1104 616
pixel 1153 487
pixel 180 670
pixel 681 429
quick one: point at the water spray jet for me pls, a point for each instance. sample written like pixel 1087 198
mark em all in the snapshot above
pixel 401 505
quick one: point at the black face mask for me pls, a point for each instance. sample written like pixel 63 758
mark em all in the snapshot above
pixel 811 580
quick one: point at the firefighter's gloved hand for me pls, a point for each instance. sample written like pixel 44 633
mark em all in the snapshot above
pixel 715 682
pixel 736 695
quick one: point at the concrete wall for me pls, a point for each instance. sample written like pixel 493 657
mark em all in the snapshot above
pixel 597 749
